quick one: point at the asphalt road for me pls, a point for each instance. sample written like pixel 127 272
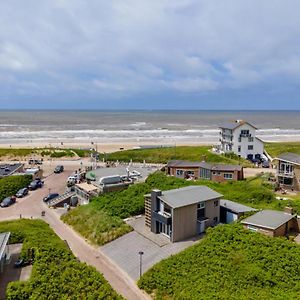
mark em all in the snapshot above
pixel 32 205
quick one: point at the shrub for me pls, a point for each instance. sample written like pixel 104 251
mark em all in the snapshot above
pixel 11 184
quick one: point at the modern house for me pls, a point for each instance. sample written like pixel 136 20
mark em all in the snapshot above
pixel 204 170
pixel 240 138
pixel 10 169
pixel 288 171
pixel 231 211
pixel 272 223
pixel 182 213
pixel 4 250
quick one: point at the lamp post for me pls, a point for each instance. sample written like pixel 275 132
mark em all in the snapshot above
pixel 141 254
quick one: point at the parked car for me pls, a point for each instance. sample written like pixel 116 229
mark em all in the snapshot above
pixel 22 192
pixel 265 164
pixel 35 161
pixel 50 197
pixel 59 169
pixel 20 263
pixel 8 201
pixel 35 184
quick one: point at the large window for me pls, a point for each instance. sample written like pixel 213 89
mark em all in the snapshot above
pixel 250 147
pixel 204 173
pixel 244 132
pixel 179 172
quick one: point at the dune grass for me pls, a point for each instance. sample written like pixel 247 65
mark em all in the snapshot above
pixel 274 149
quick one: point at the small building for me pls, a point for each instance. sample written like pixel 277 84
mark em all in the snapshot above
pixel 288 171
pixel 85 191
pixel 182 213
pixel 272 223
pixel 4 250
pixel 240 138
pixel 10 169
pixel 204 170
pixel 34 172
pixel 231 211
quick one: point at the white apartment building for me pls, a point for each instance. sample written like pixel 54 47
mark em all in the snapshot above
pixel 240 138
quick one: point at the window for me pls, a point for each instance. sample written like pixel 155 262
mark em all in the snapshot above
pixel 228 176
pixel 239 148
pixel 201 210
pixel 216 203
pixel 250 147
pixel 250 139
pixel 201 205
pixel 244 132
pixel 179 172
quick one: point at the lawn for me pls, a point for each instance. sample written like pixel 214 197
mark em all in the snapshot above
pixel 101 220
pixel 56 273
pixel 163 155
pixel 274 149
pixel 229 263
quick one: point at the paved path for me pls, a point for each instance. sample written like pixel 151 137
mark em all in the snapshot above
pixel 32 205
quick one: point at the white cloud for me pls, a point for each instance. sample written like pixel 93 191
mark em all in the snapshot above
pixel 139 46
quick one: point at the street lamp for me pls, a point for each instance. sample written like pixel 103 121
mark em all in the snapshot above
pixel 141 254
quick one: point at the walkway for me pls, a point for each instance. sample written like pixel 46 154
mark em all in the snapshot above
pixel 32 205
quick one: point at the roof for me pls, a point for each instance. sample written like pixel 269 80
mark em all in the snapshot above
pixel 236 207
pixel 290 157
pixel 270 219
pixel 32 171
pixel 4 236
pixel 205 165
pixel 87 187
pixel 235 124
pixel 188 195
pixel 8 169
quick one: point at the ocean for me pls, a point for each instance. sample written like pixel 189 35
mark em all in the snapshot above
pixel 163 127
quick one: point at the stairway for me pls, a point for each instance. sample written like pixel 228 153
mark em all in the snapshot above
pixel 60 200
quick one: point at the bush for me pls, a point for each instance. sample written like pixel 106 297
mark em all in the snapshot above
pixel 56 272
pixel 11 184
pixel 230 263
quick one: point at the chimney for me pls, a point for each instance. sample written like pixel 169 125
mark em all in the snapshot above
pixel 288 210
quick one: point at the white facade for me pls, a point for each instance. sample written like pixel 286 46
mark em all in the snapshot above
pixel 240 138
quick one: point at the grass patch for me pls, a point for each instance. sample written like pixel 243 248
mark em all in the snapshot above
pixel 275 149
pixel 230 263
pixel 163 155
pixel 56 273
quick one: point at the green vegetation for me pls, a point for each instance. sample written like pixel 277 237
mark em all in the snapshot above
pixel 101 220
pixel 229 263
pixel 11 184
pixel 163 155
pixel 56 273
pixel 274 149
pixel 16 152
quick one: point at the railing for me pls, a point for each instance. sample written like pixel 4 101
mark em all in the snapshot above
pixel 285 174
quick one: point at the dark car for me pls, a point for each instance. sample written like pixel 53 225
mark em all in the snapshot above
pixel 59 169
pixel 50 197
pixel 8 201
pixel 22 192
pixel 35 184
pixel 265 164
pixel 35 161
pixel 22 263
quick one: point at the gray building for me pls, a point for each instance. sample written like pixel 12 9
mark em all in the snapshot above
pixel 182 213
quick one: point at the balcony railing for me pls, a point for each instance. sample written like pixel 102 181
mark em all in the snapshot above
pixel 285 174
pixel 163 217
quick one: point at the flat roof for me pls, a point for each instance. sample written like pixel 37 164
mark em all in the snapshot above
pixel 188 195
pixel 8 169
pixel 4 236
pixel 270 219
pixel 203 164
pixel 235 207
pixel 88 187
pixel 290 157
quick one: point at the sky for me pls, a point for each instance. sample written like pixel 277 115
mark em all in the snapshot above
pixel 154 54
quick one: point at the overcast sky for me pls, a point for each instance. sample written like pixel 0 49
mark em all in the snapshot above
pixel 152 54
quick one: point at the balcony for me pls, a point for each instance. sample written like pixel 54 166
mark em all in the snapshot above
pixel 285 174
pixel 248 135
pixel 164 217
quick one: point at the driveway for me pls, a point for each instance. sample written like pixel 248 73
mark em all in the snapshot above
pixel 124 251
